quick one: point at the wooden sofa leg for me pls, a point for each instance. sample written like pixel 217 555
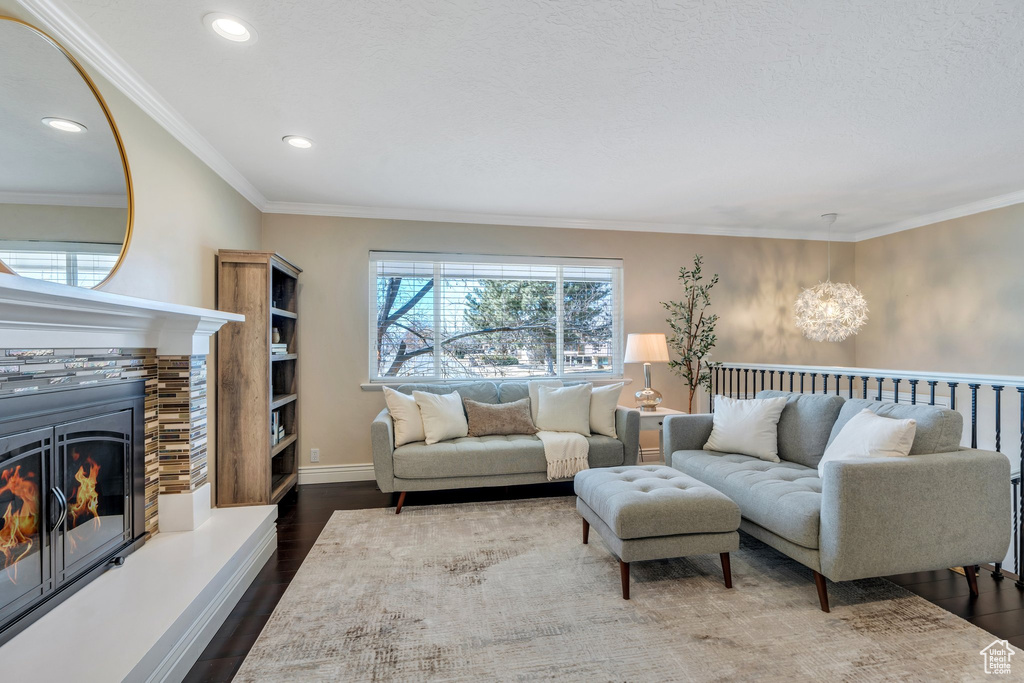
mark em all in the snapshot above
pixel 624 574
pixel 586 531
pixel 726 570
pixel 819 582
pixel 972 580
pixel 401 500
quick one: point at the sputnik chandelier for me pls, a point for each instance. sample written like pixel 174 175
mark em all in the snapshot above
pixel 830 311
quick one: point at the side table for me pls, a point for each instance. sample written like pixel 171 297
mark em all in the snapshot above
pixel 652 420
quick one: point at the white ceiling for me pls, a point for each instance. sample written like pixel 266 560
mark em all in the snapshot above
pixel 729 116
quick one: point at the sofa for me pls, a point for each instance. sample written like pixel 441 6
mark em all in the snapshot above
pixel 471 462
pixel 943 506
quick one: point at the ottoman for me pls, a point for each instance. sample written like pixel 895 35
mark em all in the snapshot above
pixel 654 513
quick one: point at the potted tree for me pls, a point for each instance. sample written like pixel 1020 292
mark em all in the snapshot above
pixel 693 328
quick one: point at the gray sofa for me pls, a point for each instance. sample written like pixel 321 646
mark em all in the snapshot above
pixel 945 506
pixel 487 460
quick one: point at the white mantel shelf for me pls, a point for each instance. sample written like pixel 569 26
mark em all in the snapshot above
pixel 44 315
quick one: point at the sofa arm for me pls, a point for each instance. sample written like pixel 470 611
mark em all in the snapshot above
pixel 627 427
pixel 685 433
pixel 884 516
pixel 382 439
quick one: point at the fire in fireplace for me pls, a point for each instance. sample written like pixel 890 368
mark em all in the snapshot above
pixel 71 491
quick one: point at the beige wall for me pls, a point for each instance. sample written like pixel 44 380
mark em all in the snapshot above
pixel 947 297
pixel 62 223
pixel 759 281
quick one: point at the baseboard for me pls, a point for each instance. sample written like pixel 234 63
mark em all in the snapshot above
pixel 185 652
pixel 330 474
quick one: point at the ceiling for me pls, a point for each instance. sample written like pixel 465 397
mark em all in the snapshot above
pixel 725 116
pixel 42 165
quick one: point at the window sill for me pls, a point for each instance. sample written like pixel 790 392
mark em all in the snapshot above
pixel 603 381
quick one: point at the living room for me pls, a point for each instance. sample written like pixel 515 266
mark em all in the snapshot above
pixel 288 269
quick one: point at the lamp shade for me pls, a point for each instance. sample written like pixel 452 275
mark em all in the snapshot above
pixel 646 348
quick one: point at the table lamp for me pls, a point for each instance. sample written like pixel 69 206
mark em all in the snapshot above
pixel 646 349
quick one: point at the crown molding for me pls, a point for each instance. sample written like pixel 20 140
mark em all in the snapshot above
pixel 440 216
pixel 944 215
pixel 107 201
pixel 67 27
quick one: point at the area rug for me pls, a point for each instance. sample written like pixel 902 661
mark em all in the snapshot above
pixel 507 591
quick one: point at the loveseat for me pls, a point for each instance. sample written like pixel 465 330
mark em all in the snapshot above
pixel 943 506
pixel 470 462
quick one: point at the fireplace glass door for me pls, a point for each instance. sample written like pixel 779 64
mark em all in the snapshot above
pixel 24 559
pixel 93 467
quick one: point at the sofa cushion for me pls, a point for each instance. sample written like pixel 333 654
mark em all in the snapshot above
pixel 939 430
pixel 481 456
pixel 783 497
pixel 481 392
pixel 805 425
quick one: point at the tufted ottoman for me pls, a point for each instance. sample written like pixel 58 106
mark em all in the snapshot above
pixel 653 513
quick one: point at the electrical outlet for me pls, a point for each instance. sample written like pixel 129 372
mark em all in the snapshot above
pixel 314 455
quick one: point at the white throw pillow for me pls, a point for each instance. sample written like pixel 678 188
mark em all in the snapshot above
pixel 603 401
pixel 867 435
pixel 443 416
pixel 533 386
pixel 747 426
pixel 406 416
pixel 565 409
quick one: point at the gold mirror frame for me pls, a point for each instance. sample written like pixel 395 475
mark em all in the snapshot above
pixel 117 138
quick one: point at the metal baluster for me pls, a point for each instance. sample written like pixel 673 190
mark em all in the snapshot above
pixel 931 387
pixel 746 377
pixel 1020 536
pixel 837 384
pixel 864 384
pixel 802 382
pixel 880 380
pixel 999 416
pixel 974 414
pixel 824 380
pixel 814 377
pixel 791 373
pixel 913 391
pixel 762 380
pixel 1016 556
pixel 896 389
pixel 849 387
pixel 952 394
pixel 730 382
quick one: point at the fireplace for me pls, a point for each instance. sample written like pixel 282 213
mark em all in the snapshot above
pixel 72 492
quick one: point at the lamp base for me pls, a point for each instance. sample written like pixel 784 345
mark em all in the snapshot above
pixel 648 400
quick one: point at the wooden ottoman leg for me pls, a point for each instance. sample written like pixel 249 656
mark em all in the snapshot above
pixel 726 570
pixel 819 581
pixel 624 573
pixel 586 531
pixel 972 580
pixel 401 500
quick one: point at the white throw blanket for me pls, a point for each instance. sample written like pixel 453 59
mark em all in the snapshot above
pixel 566 453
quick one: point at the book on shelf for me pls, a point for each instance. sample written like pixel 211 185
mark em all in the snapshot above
pixel 278 349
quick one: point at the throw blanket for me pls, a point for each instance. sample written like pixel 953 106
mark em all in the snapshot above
pixel 566 453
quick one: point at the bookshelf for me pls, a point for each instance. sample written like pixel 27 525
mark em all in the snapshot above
pixel 257 383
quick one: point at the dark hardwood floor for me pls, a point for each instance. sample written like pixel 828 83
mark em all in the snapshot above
pixel 303 513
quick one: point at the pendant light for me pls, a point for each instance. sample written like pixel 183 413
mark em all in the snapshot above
pixel 830 311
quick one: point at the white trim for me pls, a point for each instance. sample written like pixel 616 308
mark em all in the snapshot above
pixel 331 474
pixel 1007 381
pixel 944 215
pixel 68 28
pixel 596 381
pixel 184 511
pixel 495 259
pixel 103 201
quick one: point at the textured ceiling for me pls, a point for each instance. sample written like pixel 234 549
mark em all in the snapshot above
pixel 37 81
pixel 731 114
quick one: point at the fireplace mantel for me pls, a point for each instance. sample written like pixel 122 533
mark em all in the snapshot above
pixel 36 314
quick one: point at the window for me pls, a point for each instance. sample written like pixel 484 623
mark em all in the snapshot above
pixel 69 263
pixel 448 317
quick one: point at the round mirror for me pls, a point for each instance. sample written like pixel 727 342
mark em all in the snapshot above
pixel 65 190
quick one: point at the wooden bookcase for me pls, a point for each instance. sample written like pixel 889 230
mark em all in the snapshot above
pixel 253 467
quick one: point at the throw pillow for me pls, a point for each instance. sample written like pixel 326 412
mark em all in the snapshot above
pixel 406 416
pixel 603 401
pixel 867 435
pixel 501 418
pixel 747 426
pixel 442 414
pixel 565 409
pixel 533 386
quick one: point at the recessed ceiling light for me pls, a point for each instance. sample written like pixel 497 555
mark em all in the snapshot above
pixel 298 141
pixel 230 28
pixel 66 125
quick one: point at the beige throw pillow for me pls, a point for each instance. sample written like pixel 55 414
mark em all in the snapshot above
pixel 534 385
pixel 565 409
pixel 603 401
pixel 406 416
pixel 747 427
pixel 442 415
pixel 867 435
pixel 486 419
